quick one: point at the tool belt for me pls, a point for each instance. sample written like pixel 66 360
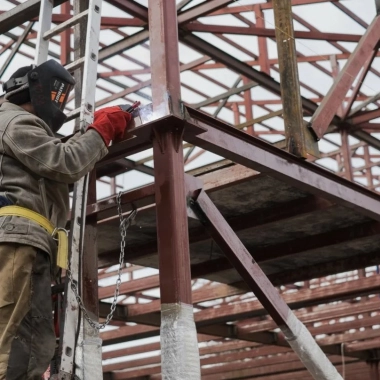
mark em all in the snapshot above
pixel 59 234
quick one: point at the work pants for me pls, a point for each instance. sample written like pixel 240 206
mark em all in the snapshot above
pixel 27 339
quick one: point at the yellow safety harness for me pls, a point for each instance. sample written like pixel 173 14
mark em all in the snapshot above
pixel 61 233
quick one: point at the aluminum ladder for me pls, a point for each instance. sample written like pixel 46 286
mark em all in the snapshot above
pixel 80 345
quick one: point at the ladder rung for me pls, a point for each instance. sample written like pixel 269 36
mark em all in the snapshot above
pixel 74 65
pixel 73 114
pixel 65 25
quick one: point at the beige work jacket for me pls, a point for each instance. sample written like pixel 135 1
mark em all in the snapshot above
pixel 29 152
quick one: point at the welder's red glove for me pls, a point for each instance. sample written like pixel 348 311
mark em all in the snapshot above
pixel 110 123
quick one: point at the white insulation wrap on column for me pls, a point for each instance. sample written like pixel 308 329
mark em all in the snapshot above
pixel 308 350
pixel 179 343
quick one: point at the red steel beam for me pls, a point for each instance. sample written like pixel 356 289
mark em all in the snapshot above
pixel 356 89
pixel 246 150
pixel 228 313
pixel 346 152
pixel 272 61
pixel 238 66
pixel 269 5
pixel 328 108
pixel 177 321
pixel 265 32
pixel 202 10
pixel 364 117
pixel 22 13
pixel 173 246
pixel 132 8
pixel 263 47
pixel 116 22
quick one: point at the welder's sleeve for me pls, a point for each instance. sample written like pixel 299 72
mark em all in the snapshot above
pixel 111 123
pixel 47 156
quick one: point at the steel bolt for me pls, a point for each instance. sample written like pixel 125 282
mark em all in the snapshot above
pixel 34 75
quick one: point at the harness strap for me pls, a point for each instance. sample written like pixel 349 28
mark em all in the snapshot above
pixel 61 233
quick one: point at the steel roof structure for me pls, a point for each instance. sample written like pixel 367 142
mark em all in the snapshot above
pixel 311 224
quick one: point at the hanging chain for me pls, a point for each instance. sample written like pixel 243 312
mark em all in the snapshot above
pixel 124 224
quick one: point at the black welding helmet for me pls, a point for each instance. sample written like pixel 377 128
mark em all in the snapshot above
pixel 49 85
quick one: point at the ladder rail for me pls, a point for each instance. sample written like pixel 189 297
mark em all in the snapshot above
pixel 45 17
pixel 85 366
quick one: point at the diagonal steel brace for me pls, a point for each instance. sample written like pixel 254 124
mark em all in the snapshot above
pixel 299 338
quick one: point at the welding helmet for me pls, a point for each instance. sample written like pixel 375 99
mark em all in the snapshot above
pixel 46 86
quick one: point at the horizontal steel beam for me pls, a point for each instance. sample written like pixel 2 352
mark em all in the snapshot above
pixel 265 32
pixel 124 44
pixel 227 94
pixel 133 8
pixel 105 21
pixel 21 13
pixel 238 66
pixel 202 9
pixel 251 152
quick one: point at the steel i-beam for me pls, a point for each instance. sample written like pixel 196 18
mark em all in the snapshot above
pixel 299 139
pixel 179 346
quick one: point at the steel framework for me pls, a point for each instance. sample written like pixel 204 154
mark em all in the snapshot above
pixel 312 225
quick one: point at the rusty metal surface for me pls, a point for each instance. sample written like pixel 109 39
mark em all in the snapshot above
pixel 299 139
pixel 312 240
pixel 172 230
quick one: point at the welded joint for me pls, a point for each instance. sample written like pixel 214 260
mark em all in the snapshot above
pixel 190 212
pixel 178 137
pixel 309 126
pixel 108 376
pixel 373 355
pixel 193 187
pixel 177 131
pixel 161 142
pixel 196 210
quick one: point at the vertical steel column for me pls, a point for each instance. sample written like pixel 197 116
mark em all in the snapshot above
pixel 299 139
pixel 368 172
pixel 235 109
pixel 263 47
pixel 374 370
pixel 179 346
pixel 346 151
pixel 248 107
pixel 65 36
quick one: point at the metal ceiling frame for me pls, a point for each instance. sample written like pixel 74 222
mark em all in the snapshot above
pixel 168 124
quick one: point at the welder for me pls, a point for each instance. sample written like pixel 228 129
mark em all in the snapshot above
pixel 36 168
